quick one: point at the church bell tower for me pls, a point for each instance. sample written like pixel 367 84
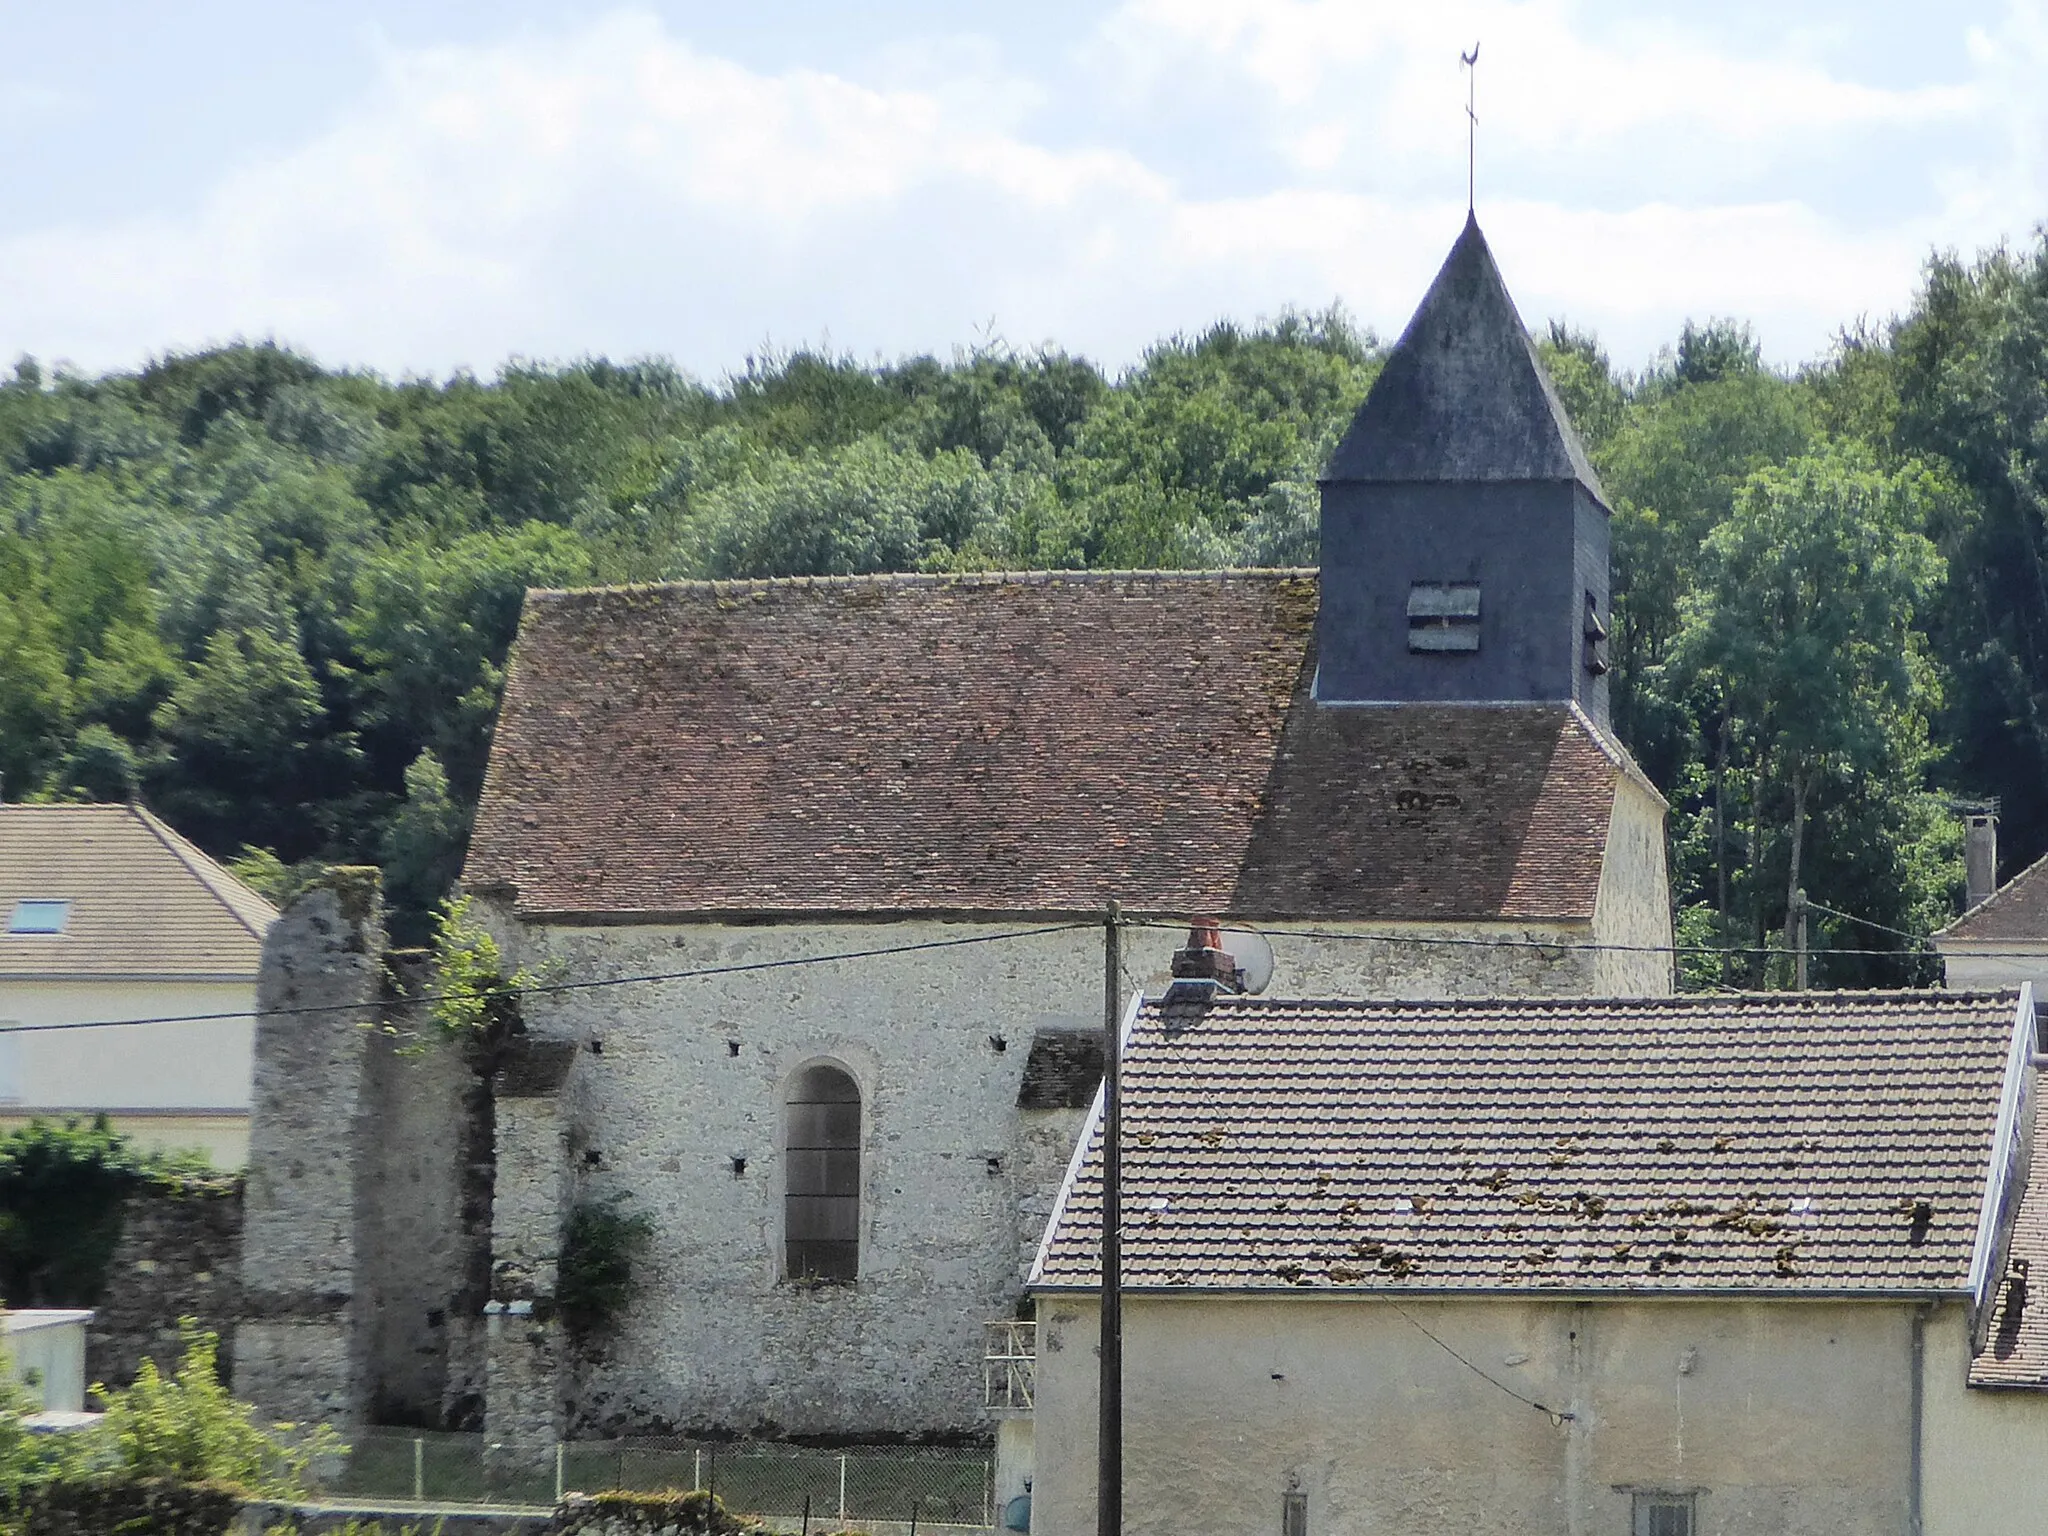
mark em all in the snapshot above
pixel 1464 533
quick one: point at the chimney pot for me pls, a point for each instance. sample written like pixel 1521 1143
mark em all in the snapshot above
pixel 1980 860
pixel 1201 968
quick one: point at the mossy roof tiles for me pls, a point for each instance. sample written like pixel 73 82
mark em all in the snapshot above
pixel 1032 743
pixel 2015 1352
pixel 1778 1142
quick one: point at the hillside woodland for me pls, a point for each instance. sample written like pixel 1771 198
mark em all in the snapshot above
pixel 276 599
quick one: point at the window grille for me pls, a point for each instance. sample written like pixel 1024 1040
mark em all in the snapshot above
pixel 1294 1514
pixel 1443 616
pixel 1664 1514
pixel 821 1190
pixel 39 917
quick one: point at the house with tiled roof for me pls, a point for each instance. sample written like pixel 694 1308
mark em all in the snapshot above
pixel 1680 1265
pixel 111 916
pixel 2001 938
pixel 1397 768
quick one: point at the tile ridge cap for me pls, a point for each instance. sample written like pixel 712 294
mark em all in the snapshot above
pixel 203 867
pixel 937 579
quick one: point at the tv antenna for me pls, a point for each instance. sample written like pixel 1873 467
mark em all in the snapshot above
pixel 1469 62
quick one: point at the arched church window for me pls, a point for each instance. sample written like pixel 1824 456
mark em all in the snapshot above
pixel 821 1195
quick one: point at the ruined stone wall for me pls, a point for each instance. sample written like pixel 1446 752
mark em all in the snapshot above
pixel 178 1257
pixel 301 1351
pixel 365 1252
pixel 422 1220
pixel 678 1112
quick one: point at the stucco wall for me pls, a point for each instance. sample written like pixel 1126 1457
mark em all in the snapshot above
pixel 1787 1418
pixel 1987 1451
pixel 691 1075
pixel 1994 966
pixel 1633 907
pixel 183 1068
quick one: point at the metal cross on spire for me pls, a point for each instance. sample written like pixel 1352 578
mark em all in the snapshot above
pixel 1470 64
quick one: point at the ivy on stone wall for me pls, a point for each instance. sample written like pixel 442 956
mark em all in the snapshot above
pixel 474 996
pixel 63 1191
pixel 601 1247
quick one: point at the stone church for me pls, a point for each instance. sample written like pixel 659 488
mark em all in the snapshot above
pixel 1398 770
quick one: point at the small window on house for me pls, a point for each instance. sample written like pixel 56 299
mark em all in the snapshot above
pixel 31 917
pixel 821 1195
pixel 1293 1514
pixel 1443 616
pixel 1664 1514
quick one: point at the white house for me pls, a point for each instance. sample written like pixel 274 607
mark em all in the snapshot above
pixel 2001 940
pixel 1661 1267
pixel 110 915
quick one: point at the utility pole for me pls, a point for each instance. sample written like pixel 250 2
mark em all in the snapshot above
pixel 1109 1437
pixel 1799 933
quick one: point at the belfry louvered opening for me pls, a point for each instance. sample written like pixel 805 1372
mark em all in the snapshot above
pixel 821 1192
pixel 1443 616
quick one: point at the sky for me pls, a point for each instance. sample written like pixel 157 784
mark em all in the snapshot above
pixel 439 184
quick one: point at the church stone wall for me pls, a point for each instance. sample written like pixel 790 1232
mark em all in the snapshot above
pixel 1633 908
pixel 673 1106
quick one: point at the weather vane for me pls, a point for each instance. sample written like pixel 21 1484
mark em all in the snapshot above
pixel 1470 64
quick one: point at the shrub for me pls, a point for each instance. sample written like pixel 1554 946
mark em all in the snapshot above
pixel 64 1190
pixel 187 1427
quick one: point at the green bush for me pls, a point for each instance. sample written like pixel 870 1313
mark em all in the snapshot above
pixel 187 1427
pixel 64 1189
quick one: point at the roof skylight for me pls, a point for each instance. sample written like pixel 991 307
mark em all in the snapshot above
pixel 39 917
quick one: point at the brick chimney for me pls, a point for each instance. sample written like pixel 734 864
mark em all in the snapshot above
pixel 1980 859
pixel 1202 968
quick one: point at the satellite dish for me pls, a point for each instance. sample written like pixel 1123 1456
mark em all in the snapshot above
pixel 1254 956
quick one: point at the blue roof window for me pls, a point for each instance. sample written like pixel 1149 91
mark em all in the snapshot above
pixel 39 917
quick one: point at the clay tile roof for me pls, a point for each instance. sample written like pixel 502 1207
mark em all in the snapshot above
pixel 143 900
pixel 2018 909
pixel 1463 395
pixel 2015 1352
pixel 1777 1142
pixel 1010 744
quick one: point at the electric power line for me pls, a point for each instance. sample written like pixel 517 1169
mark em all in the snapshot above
pixel 1865 922
pixel 1591 945
pixel 1558 1416
pixel 528 989
pixel 1442 941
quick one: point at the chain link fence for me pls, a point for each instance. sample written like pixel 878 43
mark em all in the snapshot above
pixel 884 1489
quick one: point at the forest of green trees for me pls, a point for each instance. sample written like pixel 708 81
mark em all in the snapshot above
pixel 276 600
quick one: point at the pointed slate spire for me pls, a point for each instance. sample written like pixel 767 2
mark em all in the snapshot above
pixel 1463 396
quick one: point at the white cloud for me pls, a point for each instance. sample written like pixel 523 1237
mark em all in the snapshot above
pixel 613 188
pixel 1388 71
